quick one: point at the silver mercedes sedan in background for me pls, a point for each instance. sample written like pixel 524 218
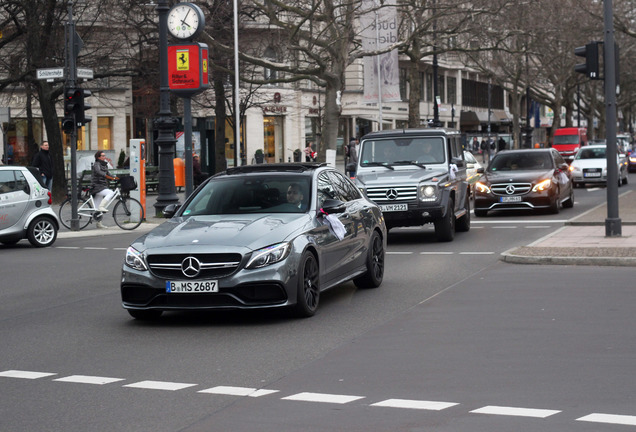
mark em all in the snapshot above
pixel 257 236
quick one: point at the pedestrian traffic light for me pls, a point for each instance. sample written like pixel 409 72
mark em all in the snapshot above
pixel 591 66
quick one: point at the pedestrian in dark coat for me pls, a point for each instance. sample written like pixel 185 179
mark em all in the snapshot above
pixel 44 162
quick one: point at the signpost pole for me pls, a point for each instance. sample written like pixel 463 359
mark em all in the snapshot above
pixel 70 83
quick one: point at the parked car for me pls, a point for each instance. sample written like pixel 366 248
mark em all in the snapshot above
pixel 525 179
pixel 25 208
pixel 590 166
pixel 257 236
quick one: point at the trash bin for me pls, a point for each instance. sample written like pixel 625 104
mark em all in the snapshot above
pixel 179 172
pixel 297 154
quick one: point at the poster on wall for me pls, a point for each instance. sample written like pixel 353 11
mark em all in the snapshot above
pixel 196 144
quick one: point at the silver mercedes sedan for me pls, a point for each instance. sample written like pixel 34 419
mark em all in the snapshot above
pixel 257 236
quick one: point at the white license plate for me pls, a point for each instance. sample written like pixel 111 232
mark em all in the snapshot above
pixel 510 199
pixel 394 207
pixel 592 174
pixel 192 287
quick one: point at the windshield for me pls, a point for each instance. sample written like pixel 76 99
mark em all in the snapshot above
pixel 520 161
pixel 424 150
pixel 566 139
pixel 591 153
pixel 252 194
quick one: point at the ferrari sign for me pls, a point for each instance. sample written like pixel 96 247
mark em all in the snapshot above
pixel 188 68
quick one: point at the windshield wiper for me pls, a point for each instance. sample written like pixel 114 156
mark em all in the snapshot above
pixel 421 165
pixel 382 164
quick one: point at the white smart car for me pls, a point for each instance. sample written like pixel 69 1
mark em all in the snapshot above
pixel 25 208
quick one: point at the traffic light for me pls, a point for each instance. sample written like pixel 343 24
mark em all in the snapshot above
pixel 70 101
pixel 591 54
pixel 68 124
pixel 81 116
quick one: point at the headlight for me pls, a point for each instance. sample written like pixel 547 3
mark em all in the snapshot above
pixel 427 193
pixel 482 188
pixel 269 255
pixel 135 259
pixel 543 185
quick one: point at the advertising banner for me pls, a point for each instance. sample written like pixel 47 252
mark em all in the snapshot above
pixel 188 68
pixel 381 73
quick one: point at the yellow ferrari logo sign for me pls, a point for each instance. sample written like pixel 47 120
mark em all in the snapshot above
pixel 205 66
pixel 183 60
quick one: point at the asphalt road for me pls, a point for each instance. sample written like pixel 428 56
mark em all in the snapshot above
pixel 454 340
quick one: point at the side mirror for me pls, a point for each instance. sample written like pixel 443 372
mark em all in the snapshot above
pixel 332 206
pixel 170 210
pixel 481 170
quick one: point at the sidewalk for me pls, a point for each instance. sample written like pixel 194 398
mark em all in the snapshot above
pixel 583 242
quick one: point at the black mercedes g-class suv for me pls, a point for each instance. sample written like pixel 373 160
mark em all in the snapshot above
pixel 417 176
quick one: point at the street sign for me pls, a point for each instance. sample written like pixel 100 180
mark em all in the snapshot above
pixel 85 73
pixel 50 73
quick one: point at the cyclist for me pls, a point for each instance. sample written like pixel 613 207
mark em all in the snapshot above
pixel 99 184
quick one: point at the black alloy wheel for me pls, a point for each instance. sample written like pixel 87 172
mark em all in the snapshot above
pixel 375 264
pixel 308 294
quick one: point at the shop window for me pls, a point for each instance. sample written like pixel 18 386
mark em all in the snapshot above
pixel 105 133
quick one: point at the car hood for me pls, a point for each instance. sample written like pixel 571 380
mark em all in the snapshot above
pixel 252 231
pixel 522 176
pixel 381 176
pixel 590 163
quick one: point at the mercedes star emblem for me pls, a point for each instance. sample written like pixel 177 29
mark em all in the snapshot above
pixel 391 194
pixel 510 189
pixel 190 267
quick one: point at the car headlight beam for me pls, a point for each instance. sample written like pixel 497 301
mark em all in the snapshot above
pixel 269 255
pixel 482 187
pixel 135 259
pixel 542 185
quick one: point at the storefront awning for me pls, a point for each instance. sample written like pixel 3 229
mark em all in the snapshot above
pixel 468 118
pixel 503 117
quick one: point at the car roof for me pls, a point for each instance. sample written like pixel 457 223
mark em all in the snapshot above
pixel 410 132
pixel 289 167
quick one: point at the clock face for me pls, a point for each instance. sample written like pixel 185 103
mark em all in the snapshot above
pixel 185 20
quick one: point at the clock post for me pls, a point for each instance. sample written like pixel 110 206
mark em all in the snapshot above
pixel 165 123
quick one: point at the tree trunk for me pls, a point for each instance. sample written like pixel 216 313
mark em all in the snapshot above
pixel 414 94
pixel 331 118
pixel 54 136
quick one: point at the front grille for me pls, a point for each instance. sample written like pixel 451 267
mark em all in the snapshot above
pixel 401 193
pixel 213 266
pixel 504 189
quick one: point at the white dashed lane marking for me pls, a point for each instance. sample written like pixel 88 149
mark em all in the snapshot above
pixel 160 385
pixel 238 391
pixel 83 379
pixel 609 418
pixel 517 412
pixel 25 374
pixel 323 397
pixel 415 404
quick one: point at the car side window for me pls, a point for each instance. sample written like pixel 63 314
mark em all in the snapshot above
pixel 8 182
pixel 325 189
pixel 343 187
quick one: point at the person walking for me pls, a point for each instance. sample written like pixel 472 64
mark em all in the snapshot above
pixel 99 184
pixel 352 158
pixel 309 152
pixel 44 162
pixel 483 146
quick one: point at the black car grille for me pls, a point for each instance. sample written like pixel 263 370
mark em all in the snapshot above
pixel 213 266
pixel 507 189
pixel 401 193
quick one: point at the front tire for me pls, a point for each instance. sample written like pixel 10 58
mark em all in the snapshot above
pixel 42 232
pixel 128 214
pixel 445 227
pixel 308 290
pixel 569 203
pixel 375 264
pixel 555 206
pixel 463 224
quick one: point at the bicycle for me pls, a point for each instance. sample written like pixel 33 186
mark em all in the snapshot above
pixel 128 212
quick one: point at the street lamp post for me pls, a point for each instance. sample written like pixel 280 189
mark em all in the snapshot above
pixel 165 123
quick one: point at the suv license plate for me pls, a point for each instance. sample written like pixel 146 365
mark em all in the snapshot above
pixel 394 207
pixel 592 174
pixel 192 287
pixel 509 199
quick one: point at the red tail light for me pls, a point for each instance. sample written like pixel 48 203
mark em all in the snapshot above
pixel 50 198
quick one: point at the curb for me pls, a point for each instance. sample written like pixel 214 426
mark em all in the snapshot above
pixel 509 256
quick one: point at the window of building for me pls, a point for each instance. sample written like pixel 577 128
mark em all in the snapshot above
pixel 422 86
pixel 403 84
pixel 451 90
pixel 440 88
pixel 105 133
pixel 270 54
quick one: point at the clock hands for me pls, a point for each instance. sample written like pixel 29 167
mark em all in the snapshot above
pixel 183 21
